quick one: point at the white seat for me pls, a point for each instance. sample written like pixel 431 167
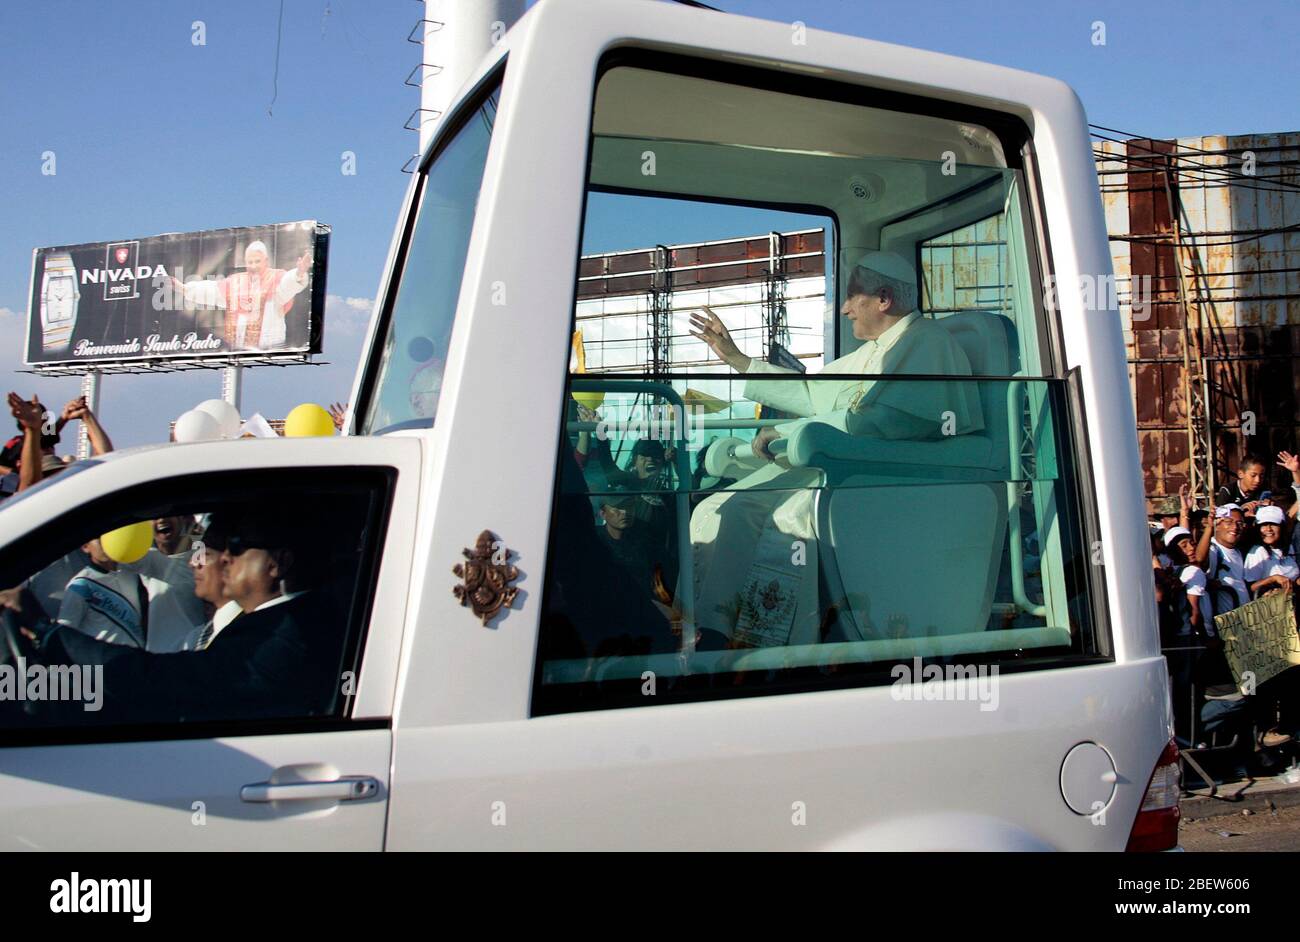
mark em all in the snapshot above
pixel 916 528
pixel 927 553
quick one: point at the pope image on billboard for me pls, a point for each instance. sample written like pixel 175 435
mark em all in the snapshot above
pixel 255 300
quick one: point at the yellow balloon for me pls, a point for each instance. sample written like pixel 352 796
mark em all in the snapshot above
pixel 128 544
pixel 308 420
pixel 591 400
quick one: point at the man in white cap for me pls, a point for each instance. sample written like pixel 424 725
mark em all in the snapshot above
pixel 1222 561
pixel 750 587
pixel 255 300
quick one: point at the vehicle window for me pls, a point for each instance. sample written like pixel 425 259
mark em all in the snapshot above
pixel 764 271
pixel 413 354
pixel 236 597
pixel 743 517
pixel 977 268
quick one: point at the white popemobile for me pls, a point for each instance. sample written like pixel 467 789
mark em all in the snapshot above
pixel 982 667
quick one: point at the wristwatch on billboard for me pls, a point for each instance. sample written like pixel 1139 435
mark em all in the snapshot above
pixel 59 297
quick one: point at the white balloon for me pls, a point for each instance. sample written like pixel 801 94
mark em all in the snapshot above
pixel 227 416
pixel 196 426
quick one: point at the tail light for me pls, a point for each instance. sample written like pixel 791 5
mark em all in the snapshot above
pixel 1156 827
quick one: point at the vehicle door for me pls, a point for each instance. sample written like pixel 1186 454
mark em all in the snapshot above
pixel 270 733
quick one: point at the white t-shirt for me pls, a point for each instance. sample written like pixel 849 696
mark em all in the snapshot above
pixel 107 606
pixel 1226 565
pixel 149 603
pixel 49 584
pixel 1262 562
pixel 1194 584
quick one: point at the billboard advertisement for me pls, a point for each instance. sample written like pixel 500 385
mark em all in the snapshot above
pixel 224 293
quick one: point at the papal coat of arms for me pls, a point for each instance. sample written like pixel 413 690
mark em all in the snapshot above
pixel 486 583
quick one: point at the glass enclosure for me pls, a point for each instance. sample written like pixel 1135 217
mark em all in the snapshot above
pixel 417 330
pixel 831 440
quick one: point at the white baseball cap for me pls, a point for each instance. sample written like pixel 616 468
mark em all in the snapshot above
pixel 1176 533
pixel 1225 510
pixel 1269 515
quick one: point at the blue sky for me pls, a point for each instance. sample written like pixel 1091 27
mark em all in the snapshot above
pixel 154 134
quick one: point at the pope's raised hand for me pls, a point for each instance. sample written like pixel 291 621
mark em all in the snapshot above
pixel 709 328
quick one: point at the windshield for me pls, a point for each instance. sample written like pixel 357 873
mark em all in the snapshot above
pixel 417 331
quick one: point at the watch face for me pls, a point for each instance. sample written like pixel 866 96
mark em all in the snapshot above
pixel 60 293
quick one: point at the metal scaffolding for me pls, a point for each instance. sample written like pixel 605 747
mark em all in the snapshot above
pixel 1209 224
pixel 659 304
pixel 777 333
pixel 1200 470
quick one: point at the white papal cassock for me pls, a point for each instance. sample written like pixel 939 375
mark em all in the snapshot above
pixel 255 306
pixel 752 583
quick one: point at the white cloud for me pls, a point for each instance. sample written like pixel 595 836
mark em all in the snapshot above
pixel 347 315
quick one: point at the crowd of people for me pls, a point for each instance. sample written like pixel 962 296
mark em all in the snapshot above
pixel 29 457
pixel 1212 560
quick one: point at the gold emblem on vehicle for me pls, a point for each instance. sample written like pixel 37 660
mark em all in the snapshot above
pixel 486 577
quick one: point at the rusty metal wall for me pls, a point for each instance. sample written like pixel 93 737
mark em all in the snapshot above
pixel 1238 200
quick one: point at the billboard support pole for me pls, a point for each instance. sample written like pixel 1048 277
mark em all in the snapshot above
pixel 89 389
pixel 232 384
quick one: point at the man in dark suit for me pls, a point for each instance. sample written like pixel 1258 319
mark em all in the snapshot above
pixel 281 657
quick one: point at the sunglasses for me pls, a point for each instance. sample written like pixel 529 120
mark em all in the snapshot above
pixel 237 545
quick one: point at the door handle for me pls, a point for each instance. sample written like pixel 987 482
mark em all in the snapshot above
pixel 343 789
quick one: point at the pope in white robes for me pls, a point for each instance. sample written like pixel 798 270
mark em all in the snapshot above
pixel 255 300
pixel 755 545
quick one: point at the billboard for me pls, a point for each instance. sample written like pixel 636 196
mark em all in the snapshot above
pixel 223 293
